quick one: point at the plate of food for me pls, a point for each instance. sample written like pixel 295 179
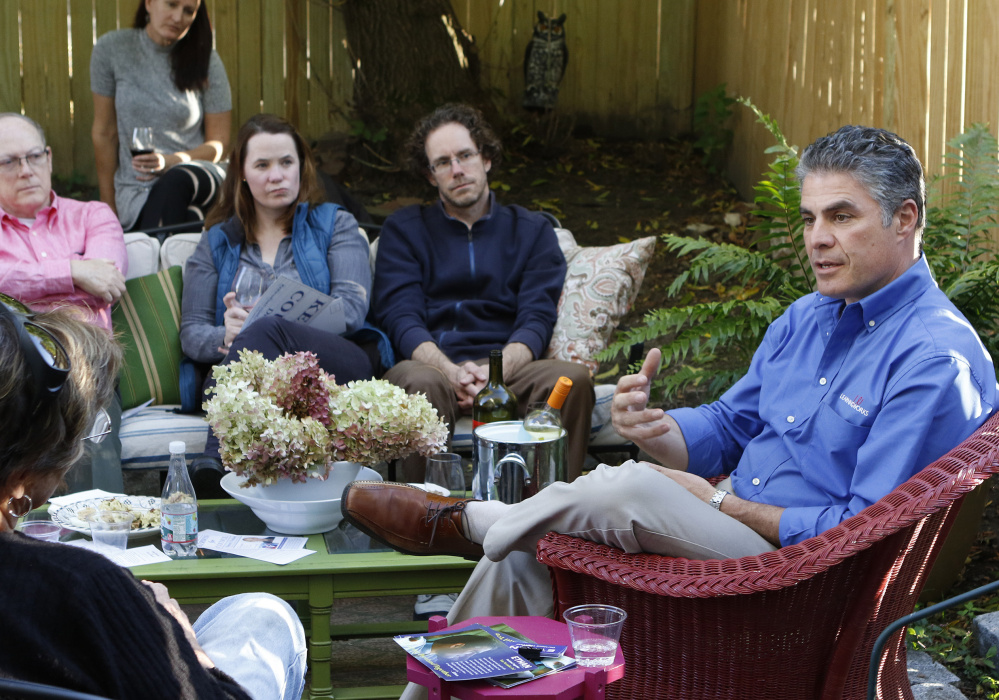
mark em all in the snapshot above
pixel 144 509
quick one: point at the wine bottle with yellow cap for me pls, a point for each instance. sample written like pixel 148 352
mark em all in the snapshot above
pixel 545 423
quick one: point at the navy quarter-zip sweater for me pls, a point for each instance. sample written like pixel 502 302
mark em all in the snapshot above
pixel 467 290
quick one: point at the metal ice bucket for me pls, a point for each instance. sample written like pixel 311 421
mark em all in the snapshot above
pixel 511 465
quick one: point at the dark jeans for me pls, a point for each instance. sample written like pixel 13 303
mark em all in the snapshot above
pixel 273 336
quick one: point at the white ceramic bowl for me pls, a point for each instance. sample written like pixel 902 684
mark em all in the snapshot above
pixel 297 508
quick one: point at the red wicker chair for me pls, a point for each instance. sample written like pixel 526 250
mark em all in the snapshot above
pixel 796 623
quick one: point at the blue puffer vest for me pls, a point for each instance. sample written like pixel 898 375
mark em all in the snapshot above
pixel 311 232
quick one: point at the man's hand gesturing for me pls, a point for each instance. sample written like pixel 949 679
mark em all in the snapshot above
pixel 632 417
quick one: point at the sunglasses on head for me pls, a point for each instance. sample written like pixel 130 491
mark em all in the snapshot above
pixel 47 359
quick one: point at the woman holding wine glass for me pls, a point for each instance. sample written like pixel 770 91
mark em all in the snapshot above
pixel 162 115
pixel 270 219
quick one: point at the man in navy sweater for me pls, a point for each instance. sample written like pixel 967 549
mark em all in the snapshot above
pixel 466 275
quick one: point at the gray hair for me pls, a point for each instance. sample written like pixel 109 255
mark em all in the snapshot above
pixel 880 161
pixel 38 127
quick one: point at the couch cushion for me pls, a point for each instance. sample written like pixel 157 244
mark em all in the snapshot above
pixel 147 432
pixel 148 323
pixel 601 284
pixel 143 254
pixel 176 249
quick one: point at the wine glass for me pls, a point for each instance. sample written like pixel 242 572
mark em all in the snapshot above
pixel 445 470
pixel 249 286
pixel 142 140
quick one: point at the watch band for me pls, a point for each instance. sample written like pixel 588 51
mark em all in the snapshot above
pixel 716 498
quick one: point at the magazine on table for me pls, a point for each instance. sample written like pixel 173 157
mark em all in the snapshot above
pixel 464 654
pixel 301 303
pixel 552 658
pixel 479 652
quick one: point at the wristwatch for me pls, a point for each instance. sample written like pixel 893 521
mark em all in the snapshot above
pixel 716 498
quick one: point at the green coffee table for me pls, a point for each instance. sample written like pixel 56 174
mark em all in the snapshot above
pixel 346 565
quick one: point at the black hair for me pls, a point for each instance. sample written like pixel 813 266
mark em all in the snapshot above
pixel 190 55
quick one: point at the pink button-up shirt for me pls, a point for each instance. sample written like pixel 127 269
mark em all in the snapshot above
pixel 35 262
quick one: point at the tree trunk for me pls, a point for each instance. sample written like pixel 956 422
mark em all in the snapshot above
pixel 406 61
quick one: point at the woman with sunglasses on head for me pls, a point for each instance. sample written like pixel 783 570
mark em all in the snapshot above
pixel 162 74
pixel 271 218
pixel 73 618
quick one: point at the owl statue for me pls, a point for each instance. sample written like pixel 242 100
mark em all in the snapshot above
pixel 544 63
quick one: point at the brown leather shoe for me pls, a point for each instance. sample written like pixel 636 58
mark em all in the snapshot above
pixel 408 519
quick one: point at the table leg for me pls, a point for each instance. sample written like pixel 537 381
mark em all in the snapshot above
pixel 320 646
pixel 595 684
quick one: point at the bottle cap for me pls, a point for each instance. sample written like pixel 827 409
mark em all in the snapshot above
pixel 561 390
pixel 177 447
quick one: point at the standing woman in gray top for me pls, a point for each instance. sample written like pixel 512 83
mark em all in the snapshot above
pixel 162 74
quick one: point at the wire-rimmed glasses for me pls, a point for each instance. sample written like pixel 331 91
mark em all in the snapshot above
pixel 464 158
pixel 35 159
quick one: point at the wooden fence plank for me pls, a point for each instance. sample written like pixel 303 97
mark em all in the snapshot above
pixel 247 91
pixel 296 95
pixel 46 76
pixel 225 24
pixel 106 17
pixel 982 92
pixel 10 60
pixel 83 102
pixel 272 55
pixel 956 51
pixel 675 77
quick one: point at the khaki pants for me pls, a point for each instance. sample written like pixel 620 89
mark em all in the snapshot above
pixel 532 382
pixel 631 507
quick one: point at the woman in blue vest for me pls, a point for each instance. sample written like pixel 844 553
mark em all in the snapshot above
pixel 271 217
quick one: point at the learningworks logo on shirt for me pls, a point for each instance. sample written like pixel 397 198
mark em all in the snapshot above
pixel 855 404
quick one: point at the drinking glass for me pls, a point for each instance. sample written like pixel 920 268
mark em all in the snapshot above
pixel 249 286
pixel 38 524
pixel 595 631
pixel 445 470
pixel 142 140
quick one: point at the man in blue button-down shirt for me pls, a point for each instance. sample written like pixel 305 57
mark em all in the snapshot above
pixel 855 388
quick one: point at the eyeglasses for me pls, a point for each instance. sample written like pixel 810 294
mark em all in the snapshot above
pixel 47 359
pixel 101 427
pixel 463 158
pixel 36 159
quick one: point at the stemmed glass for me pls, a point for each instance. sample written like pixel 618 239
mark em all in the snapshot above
pixel 249 286
pixel 445 470
pixel 142 140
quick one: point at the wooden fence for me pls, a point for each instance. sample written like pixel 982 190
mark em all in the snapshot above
pixel 625 77
pixel 923 68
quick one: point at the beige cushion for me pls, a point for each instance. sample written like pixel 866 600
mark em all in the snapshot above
pixel 143 254
pixel 176 249
pixel 601 284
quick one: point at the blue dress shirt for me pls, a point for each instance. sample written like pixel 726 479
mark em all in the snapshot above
pixel 842 403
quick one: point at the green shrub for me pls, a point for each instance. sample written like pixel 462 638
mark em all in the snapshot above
pixel 707 346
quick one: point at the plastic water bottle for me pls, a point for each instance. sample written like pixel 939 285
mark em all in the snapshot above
pixel 179 508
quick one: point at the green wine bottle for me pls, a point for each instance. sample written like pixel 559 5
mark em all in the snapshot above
pixel 495 402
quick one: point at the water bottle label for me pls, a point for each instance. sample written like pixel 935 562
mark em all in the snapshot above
pixel 179 528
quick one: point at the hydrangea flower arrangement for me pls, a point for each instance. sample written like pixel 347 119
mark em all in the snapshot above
pixel 287 418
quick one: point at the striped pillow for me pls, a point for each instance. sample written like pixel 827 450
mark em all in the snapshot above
pixel 147 321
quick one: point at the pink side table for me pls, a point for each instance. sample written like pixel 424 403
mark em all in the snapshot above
pixel 577 682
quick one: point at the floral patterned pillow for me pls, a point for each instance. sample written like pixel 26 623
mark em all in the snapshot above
pixel 600 286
